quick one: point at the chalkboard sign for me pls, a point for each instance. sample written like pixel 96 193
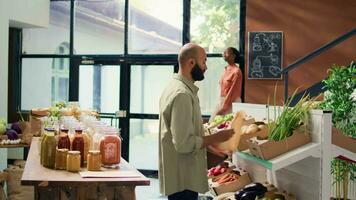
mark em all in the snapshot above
pixel 265 55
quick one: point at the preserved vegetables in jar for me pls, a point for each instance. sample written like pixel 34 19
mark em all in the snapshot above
pixel 48 151
pixel 110 149
pixel 78 144
pixel 42 146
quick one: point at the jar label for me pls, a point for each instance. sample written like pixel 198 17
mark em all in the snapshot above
pixel 110 150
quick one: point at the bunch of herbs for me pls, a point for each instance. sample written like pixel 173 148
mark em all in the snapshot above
pixel 340 97
pixel 289 118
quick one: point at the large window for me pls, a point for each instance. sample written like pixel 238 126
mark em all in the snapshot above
pixel 146 88
pixel 41 85
pixel 144 143
pixel 46 40
pixel 215 24
pixel 209 89
pixel 99 27
pixel 99 87
pixel 118 61
pixel 155 29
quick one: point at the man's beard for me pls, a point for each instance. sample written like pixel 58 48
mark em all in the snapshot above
pixel 197 73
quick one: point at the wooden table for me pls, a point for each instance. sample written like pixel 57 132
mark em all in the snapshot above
pixel 55 180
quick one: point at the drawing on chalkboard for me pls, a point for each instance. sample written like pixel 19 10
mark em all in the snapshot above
pixel 265 55
pixel 257 44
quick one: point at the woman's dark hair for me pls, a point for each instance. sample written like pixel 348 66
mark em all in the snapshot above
pixel 236 53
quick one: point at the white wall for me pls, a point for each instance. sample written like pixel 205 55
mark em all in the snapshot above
pixel 28 13
pixel 20 14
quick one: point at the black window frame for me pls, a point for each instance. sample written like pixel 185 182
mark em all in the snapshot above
pixel 125 60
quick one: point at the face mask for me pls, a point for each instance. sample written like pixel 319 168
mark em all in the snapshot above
pixel 197 73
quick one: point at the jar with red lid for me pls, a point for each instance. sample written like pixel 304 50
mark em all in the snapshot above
pixel 110 149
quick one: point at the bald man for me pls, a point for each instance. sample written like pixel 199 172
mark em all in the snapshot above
pixel 182 144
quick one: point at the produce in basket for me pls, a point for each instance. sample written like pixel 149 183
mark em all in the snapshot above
pixel 11 134
pixel 220 169
pixel 16 127
pixel 220 121
pixel 227 178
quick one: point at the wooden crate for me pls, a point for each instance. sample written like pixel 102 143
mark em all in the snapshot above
pixel 343 141
pixel 243 143
pixel 266 149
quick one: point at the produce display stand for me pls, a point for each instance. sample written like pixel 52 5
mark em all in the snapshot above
pixel 4 153
pixel 36 175
pixel 304 171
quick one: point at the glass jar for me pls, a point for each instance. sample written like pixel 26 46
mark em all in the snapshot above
pixel 89 131
pixel 63 141
pixel 48 151
pixel 98 134
pixel 86 145
pixel 110 149
pixel 61 158
pixel 94 161
pixel 78 144
pixel 73 161
pixel 43 137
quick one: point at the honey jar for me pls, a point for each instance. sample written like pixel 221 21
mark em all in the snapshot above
pixel 73 161
pixel 61 158
pixel 94 161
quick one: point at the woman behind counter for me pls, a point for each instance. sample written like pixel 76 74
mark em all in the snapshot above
pixel 230 83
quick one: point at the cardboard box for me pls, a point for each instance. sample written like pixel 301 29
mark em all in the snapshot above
pixel 239 140
pixel 248 120
pixel 343 141
pixel 243 143
pixel 228 170
pixel 234 186
pixel 266 149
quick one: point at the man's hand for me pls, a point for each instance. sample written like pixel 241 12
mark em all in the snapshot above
pixel 215 150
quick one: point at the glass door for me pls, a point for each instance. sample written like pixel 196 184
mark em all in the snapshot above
pixel 100 87
pixel 146 86
pixel 126 96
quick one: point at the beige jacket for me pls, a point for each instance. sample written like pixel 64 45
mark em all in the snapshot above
pixel 182 161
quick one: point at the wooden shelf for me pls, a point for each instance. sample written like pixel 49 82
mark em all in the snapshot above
pixel 311 149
